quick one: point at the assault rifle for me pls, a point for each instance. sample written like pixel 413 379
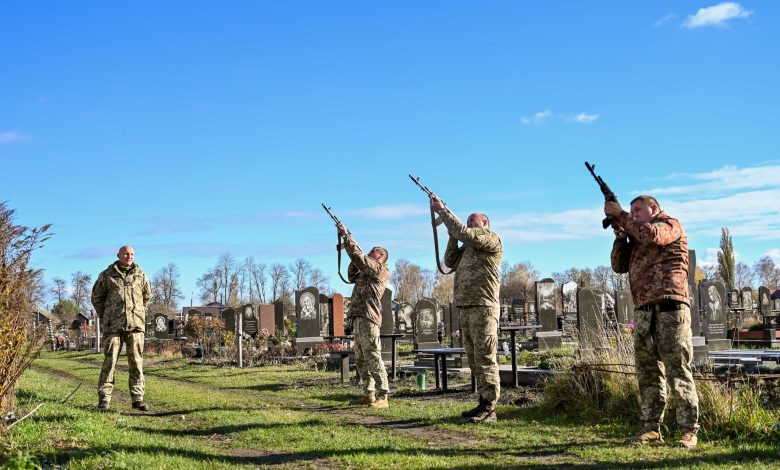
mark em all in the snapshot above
pixel 435 222
pixel 609 196
pixel 339 245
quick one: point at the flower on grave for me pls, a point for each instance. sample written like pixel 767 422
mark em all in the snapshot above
pixel 263 333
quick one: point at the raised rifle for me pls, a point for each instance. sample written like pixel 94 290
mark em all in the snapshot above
pixel 435 222
pixel 339 245
pixel 609 196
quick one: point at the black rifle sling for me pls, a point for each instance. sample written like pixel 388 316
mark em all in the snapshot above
pixel 339 246
pixel 435 222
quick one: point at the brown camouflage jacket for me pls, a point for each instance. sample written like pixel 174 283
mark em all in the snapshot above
pixel 370 278
pixel 476 263
pixel 655 256
pixel 120 299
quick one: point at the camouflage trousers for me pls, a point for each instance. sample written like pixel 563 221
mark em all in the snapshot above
pixel 664 350
pixel 112 344
pixel 479 329
pixel 368 358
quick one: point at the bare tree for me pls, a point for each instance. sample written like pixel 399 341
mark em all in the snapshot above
pixel 257 278
pixel 280 279
pixel 226 269
pixel 618 281
pixel 767 272
pixel 519 280
pixel 409 281
pixel 59 289
pixel 209 286
pixel 319 280
pixel 165 287
pixel 710 272
pixel 300 270
pixel 601 276
pixel 744 276
pixel 444 288
pixel 81 286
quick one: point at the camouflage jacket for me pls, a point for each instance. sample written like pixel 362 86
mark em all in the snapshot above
pixel 655 256
pixel 120 299
pixel 476 263
pixel 370 278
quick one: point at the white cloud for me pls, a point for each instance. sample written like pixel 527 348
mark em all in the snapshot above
pixel 664 19
pixel 722 180
pixel 773 253
pixel 717 15
pixel 547 115
pixel 7 137
pixel 586 118
pixel 537 118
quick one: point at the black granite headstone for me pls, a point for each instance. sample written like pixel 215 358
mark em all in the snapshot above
pixel 764 302
pixel 693 295
pixel 160 326
pixel 307 312
pixel 388 322
pixel 279 315
pixel 747 299
pixel 404 319
pixel 229 317
pixel 248 318
pixel 734 301
pixel 546 305
pixel 427 323
pixel 325 314
pixel 713 299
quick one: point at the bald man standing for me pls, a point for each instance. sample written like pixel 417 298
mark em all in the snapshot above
pixel 120 296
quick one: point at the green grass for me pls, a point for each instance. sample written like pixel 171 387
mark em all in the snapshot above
pixel 290 416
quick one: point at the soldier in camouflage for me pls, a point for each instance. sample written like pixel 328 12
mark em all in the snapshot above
pixel 476 264
pixel 370 275
pixel 652 248
pixel 120 296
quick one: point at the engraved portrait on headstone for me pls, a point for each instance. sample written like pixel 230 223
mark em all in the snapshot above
pixel 764 304
pixel 160 324
pixel 307 306
pixel 404 318
pixel 426 321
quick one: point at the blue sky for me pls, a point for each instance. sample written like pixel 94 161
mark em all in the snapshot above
pixel 192 129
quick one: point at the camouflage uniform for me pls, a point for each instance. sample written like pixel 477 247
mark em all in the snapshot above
pixel 120 298
pixel 655 255
pixel 365 309
pixel 476 266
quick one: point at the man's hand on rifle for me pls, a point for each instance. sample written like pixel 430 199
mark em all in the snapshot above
pixel 612 209
pixel 342 230
pixel 619 233
pixel 436 203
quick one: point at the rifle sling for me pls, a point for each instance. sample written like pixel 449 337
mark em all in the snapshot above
pixel 338 250
pixel 435 222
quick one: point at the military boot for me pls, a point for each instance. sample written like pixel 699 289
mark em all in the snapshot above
pixel 484 415
pixel 104 405
pixel 380 402
pixel 645 437
pixel 474 411
pixel 140 406
pixel 365 400
pixel 688 440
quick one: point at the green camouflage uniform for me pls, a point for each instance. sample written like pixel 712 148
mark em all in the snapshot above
pixel 655 255
pixel 476 266
pixel 120 298
pixel 365 309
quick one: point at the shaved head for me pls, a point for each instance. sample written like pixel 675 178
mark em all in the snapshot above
pixel 478 220
pixel 126 256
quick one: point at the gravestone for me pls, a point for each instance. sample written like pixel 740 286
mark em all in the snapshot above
pixel 624 307
pixel 337 315
pixel 404 319
pixel 161 326
pixel 325 315
pixel 446 315
pixel 713 299
pixel 764 302
pixel 193 313
pixel 590 319
pixel 266 318
pixel 248 319
pixel 307 312
pixel 279 316
pixel 693 297
pixel 426 329
pixel 388 324
pixel 548 336
pixel 747 299
pixel 733 296
pixel 229 317
pixel 517 309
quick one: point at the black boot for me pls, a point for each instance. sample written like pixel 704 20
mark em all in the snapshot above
pixel 140 406
pixel 474 411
